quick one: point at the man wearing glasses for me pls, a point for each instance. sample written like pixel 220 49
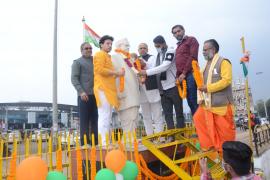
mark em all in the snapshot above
pixel 82 79
pixel 214 118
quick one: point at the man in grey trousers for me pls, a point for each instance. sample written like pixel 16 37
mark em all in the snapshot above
pixel 82 78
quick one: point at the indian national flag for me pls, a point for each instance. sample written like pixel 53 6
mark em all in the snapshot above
pixel 245 69
pixel 91 36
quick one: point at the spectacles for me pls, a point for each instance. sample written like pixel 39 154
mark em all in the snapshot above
pixel 88 48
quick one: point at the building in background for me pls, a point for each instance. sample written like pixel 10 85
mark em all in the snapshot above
pixel 239 97
pixel 29 115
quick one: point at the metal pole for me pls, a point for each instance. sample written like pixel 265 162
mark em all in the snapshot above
pixel 248 107
pixel 83 21
pixel 54 105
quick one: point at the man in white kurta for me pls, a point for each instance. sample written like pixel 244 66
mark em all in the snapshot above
pixel 149 95
pixel 129 98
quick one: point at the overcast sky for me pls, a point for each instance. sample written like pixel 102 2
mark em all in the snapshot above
pixel 26 37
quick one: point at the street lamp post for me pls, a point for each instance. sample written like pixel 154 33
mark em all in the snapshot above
pixel 54 104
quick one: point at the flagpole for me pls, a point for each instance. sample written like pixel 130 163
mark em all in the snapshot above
pixel 54 105
pixel 83 21
pixel 248 105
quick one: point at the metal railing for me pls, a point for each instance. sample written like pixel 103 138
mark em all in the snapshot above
pixel 261 138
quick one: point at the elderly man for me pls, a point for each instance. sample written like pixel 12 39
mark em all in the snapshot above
pixel 149 95
pixel 129 96
pixel 214 118
pixel 82 78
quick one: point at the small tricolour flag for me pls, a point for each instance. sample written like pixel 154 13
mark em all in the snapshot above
pixel 91 36
pixel 245 70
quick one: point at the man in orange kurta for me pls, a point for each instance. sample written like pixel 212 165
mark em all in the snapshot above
pixel 214 118
pixel 105 86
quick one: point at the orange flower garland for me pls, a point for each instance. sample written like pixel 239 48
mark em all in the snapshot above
pixel 149 174
pixel 93 162
pixel 137 160
pixel 59 166
pixel 121 78
pixel 79 164
pixel 12 171
pixel 125 53
pixel 197 74
pixel 122 82
pixel 138 64
pixel 139 68
pixel 182 91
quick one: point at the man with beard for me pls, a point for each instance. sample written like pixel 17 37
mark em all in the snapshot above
pixel 214 118
pixel 186 51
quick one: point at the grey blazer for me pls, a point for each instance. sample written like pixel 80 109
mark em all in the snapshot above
pixel 82 76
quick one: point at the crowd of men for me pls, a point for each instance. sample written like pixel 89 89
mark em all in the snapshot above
pixel 125 81
pixel 105 82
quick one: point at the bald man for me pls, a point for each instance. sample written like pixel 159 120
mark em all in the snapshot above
pixel 149 95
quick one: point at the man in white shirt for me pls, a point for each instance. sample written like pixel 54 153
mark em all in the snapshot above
pixel 166 73
pixel 149 95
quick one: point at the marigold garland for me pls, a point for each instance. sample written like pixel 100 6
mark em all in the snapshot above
pixel 12 171
pixel 139 68
pixel 197 74
pixel 182 91
pixel 93 162
pixel 122 82
pixel 79 164
pixel 137 160
pixel 149 174
pixel 59 166
pixel 125 53
pixel 138 64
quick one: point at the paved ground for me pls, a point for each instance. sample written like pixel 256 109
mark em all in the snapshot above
pixel 243 136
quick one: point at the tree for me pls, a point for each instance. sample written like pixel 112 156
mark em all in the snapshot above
pixel 260 108
pixel 267 104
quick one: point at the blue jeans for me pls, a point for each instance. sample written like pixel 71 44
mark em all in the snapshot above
pixel 191 93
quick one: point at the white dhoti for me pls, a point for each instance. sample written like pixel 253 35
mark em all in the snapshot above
pixel 152 114
pixel 129 118
pixel 104 117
